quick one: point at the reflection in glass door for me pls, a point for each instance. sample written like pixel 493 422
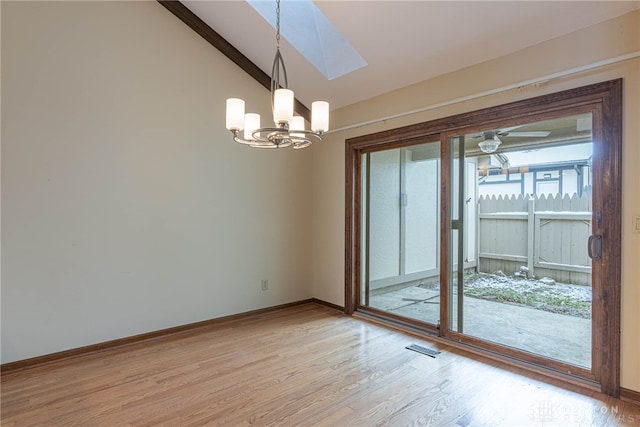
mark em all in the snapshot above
pixel 401 230
pixel 522 202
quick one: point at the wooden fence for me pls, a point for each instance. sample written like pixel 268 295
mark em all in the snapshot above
pixel 547 234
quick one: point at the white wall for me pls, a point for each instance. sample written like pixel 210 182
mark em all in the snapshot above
pixel 422 235
pixel 384 216
pixel 127 208
pixel 620 36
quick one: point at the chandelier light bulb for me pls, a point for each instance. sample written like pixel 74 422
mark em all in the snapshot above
pixel 235 114
pixel 251 123
pixel 320 116
pixel 283 106
pixel 297 124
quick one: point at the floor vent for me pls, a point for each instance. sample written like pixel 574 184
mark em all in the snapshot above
pixel 424 350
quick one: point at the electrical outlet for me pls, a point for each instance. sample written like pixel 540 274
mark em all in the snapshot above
pixel 265 285
pixel 636 223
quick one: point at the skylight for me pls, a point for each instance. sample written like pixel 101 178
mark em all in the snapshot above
pixel 313 35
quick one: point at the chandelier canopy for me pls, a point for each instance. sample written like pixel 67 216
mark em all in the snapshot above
pixel 289 130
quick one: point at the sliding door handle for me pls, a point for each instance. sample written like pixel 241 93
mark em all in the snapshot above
pixel 594 246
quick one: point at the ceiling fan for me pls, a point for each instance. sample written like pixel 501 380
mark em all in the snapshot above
pixel 491 139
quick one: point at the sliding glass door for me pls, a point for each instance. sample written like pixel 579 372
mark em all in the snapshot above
pixel 498 229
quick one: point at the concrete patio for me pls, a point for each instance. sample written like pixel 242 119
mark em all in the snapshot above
pixel 556 336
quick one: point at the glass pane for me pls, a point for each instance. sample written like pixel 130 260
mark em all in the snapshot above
pixel 401 228
pixel 455 301
pixel 526 213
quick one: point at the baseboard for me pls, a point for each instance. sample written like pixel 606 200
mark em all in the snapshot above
pixel 629 395
pixel 327 304
pixel 108 345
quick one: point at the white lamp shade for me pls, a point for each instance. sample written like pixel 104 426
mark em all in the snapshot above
pixel 320 116
pixel 283 106
pixel 235 114
pixel 251 123
pixel 297 123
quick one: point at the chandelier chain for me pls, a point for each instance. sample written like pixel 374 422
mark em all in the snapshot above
pixel 278 24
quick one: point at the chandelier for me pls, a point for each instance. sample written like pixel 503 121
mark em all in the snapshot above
pixel 289 129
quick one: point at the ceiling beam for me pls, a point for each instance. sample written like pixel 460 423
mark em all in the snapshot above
pixel 216 40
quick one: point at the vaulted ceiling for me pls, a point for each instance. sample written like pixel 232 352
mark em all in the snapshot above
pixel 405 42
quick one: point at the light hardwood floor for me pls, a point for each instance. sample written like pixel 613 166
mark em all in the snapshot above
pixel 301 366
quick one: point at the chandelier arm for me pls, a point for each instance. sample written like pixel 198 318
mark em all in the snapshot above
pixel 243 141
pixel 279 138
pixel 278 64
pixel 272 134
pixel 301 145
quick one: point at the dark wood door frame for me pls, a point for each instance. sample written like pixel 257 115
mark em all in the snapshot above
pixel 604 101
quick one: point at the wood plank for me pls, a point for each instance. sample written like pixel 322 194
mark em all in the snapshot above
pixel 565 267
pixel 300 365
pixel 518 258
pixel 505 215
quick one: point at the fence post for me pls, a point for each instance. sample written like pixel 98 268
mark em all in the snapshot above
pixel 530 233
